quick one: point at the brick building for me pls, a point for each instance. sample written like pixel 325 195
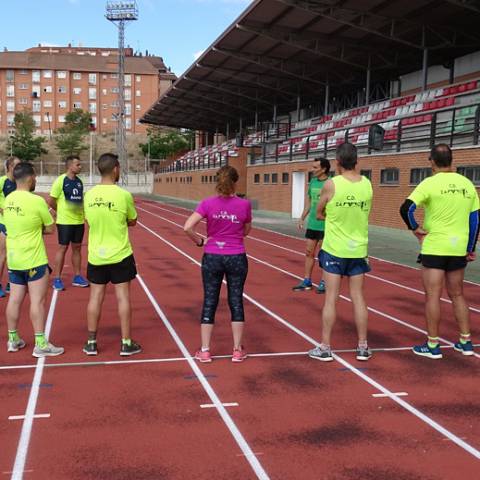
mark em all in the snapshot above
pixel 52 81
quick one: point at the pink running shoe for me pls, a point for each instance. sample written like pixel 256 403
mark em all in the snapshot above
pixel 239 355
pixel 203 357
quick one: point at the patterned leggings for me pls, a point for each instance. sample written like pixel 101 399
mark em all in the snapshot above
pixel 214 268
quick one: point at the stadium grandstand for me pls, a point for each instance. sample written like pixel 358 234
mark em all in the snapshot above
pixel 291 79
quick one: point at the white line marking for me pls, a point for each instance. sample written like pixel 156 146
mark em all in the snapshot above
pixel 23 443
pixel 212 405
pixel 429 421
pixel 288 236
pixel 296 252
pixel 255 453
pixel 22 417
pixel 398 394
pixel 237 435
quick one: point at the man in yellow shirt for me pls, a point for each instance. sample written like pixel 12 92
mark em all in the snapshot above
pixel 109 211
pixel 26 218
pixel 7 186
pixel 448 239
pixel 66 197
pixel 345 203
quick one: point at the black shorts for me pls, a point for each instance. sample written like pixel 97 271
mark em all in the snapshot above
pixel 70 234
pixel 314 234
pixel 122 272
pixel 443 262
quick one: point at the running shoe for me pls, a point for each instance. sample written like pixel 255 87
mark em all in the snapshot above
pixel 425 351
pixel 302 286
pixel 239 355
pixel 58 284
pixel 79 281
pixel 363 354
pixel 321 287
pixel 7 288
pixel 15 345
pixel 90 348
pixel 49 350
pixel 130 349
pixel 204 357
pixel 319 354
pixel 464 348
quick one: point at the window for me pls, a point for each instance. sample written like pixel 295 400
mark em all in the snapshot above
pixel 104 77
pixel 104 91
pixel 471 172
pixel 94 121
pixel 23 86
pixel 418 174
pixel 37 120
pixel 274 177
pixel 77 76
pixel 36 76
pixel 114 75
pixel 92 78
pixel 114 90
pixel 77 105
pixel 104 121
pixel 77 91
pixel 46 117
pixel 285 177
pixel 36 91
pixel 138 93
pixel 61 118
pixel 62 89
pixel 104 106
pixel 138 78
pixel 138 107
pixel 10 90
pixel 128 109
pixel 47 103
pixel 10 119
pixel 48 89
pixel 62 104
pixel 92 107
pixel 366 173
pixel 128 80
pixel 23 101
pixel 10 105
pixel 23 72
pixel 92 93
pixel 61 74
pixel 128 123
pixel 266 178
pixel 389 176
pixel 256 178
pixel 10 75
pixel 36 105
pixel 47 74
pixel 128 94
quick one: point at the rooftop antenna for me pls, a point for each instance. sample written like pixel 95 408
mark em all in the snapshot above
pixel 119 13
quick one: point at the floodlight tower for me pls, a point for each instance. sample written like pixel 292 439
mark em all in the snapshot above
pixel 119 13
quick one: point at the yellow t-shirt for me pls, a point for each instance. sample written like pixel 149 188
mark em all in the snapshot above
pixel 108 208
pixel 346 219
pixel 68 212
pixel 448 199
pixel 25 215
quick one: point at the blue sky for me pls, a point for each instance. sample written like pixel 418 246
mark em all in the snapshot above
pixel 177 30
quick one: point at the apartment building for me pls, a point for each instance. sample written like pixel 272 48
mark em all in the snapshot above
pixel 50 82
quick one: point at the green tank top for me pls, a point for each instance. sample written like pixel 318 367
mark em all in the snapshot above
pixel 346 224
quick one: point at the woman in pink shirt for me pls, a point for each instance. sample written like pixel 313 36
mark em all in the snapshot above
pixel 229 220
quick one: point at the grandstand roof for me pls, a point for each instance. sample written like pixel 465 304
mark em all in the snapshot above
pixel 278 50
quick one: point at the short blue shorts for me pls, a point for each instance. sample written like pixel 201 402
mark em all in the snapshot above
pixel 346 267
pixel 24 277
pixel 3 229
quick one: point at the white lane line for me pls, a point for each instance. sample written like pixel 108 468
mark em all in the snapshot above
pixel 288 236
pixel 383 395
pixel 286 272
pixel 237 435
pixel 22 417
pixel 296 252
pixel 23 443
pixel 410 408
pixel 212 405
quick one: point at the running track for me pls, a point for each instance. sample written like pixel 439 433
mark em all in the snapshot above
pixel 286 416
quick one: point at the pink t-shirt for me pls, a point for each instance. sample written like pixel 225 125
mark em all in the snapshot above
pixel 226 217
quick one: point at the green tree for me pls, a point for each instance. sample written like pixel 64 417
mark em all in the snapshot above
pixel 164 144
pixel 70 137
pixel 24 143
